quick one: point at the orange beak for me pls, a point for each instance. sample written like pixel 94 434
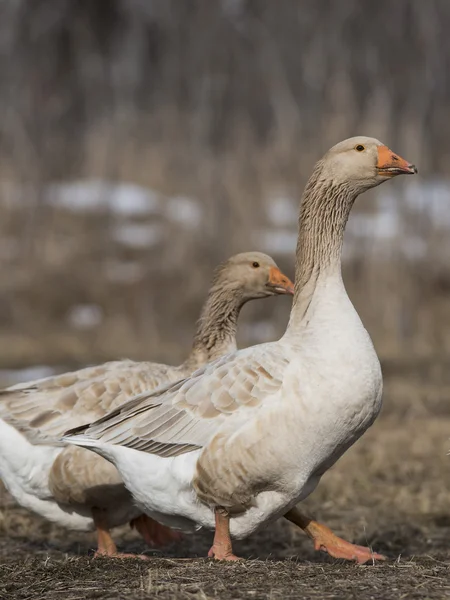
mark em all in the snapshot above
pixel 279 283
pixel 390 164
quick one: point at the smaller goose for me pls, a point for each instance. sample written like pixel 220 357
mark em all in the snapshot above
pixel 245 438
pixel 75 488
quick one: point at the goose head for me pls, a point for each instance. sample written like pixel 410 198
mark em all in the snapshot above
pixel 362 163
pixel 255 274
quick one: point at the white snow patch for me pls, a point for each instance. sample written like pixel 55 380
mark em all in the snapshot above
pixel 85 316
pixel 282 209
pixel 12 376
pixel 183 210
pixel 138 235
pixel 276 242
pixel 125 199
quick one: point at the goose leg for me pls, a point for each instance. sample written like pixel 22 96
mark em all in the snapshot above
pixel 324 539
pixel 222 548
pixel 105 543
pixel 153 532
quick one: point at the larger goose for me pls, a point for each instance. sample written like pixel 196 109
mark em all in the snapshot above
pixel 76 488
pixel 244 439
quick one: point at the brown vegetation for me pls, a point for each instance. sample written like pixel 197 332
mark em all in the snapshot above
pixel 223 102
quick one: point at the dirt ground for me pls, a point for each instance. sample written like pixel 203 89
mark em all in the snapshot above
pixel 390 491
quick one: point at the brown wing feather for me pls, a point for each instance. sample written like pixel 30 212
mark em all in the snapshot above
pixel 81 477
pixel 185 416
pixel 43 410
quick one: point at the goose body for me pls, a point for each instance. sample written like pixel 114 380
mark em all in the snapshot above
pixel 338 382
pixel 64 483
pixel 241 441
pixel 53 480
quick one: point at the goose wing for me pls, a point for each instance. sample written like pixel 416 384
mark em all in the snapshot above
pixel 185 416
pixel 44 409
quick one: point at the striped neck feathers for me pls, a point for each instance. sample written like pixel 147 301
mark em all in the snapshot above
pixel 324 211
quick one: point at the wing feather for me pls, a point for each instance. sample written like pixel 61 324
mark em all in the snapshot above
pixel 43 410
pixel 185 416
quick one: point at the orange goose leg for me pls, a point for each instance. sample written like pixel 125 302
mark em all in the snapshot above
pixel 153 532
pixel 324 539
pixel 105 543
pixel 222 548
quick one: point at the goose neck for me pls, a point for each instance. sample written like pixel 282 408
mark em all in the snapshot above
pixel 216 327
pixel 324 212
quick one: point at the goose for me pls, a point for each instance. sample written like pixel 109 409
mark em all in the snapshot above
pixel 243 440
pixel 74 487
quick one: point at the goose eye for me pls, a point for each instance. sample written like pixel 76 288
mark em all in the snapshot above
pixel 360 148
pixel 255 265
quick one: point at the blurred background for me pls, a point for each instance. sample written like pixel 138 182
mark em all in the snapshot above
pixel 142 142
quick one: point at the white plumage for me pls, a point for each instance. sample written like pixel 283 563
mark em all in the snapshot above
pixel 245 438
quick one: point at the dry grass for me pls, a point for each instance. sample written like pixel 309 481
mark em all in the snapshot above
pixel 80 579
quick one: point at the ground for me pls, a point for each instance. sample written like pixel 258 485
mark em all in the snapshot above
pixel 390 491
